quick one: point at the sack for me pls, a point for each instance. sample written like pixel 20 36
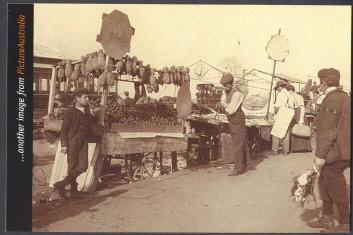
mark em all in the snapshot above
pixel 301 130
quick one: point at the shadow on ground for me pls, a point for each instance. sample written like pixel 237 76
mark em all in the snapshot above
pixel 48 213
pixel 310 214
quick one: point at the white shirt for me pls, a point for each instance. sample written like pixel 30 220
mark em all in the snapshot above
pixel 330 89
pixel 282 98
pixel 295 100
pixel 235 102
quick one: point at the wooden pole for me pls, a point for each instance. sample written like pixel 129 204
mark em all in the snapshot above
pixel 104 97
pixel 52 90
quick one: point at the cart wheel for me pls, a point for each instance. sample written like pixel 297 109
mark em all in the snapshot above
pixel 145 166
pixel 149 164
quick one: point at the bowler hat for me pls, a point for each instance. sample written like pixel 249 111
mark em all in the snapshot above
pixel 226 79
pixel 280 83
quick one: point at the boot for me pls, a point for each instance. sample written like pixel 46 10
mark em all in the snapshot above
pixel 60 186
pixel 342 228
pixel 74 192
pixel 325 221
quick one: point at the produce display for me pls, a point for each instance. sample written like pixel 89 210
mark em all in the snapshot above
pixel 93 66
pixel 207 95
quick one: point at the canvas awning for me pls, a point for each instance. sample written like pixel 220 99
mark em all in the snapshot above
pixel 283 76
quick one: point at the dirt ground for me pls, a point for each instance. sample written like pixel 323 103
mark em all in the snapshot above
pixel 203 199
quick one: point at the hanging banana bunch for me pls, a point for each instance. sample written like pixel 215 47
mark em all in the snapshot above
pixel 110 65
pixel 128 65
pixel 119 65
pixel 95 61
pixel 83 65
pixel 75 73
pixel 89 64
pixel 134 66
pixel 61 72
pixel 102 79
pixel 68 69
pixel 101 59
pixel 152 77
pixel 110 78
pixel 166 77
pixel 172 74
pixel 187 74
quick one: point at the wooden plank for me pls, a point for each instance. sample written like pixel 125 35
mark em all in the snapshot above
pixel 113 144
pixel 226 149
pixel 52 90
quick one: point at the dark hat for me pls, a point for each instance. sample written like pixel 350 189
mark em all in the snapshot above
pixel 280 83
pixel 80 92
pixel 226 79
pixel 331 76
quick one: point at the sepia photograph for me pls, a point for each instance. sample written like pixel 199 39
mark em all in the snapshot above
pixel 191 118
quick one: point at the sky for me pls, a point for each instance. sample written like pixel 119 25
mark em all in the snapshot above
pixel 166 35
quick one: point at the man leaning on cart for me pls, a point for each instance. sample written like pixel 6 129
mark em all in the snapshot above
pixel 78 129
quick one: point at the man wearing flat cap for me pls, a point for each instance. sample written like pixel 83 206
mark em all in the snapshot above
pixel 232 101
pixel 281 100
pixel 332 154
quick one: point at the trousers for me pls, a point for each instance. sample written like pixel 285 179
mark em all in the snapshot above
pixel 333 189
pixel 285 142
pixel 239 139
pixel 77 156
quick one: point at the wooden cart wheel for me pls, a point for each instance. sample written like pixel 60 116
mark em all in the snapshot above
pixel 145 166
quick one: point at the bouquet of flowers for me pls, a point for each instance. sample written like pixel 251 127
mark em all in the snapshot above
pixel 303 187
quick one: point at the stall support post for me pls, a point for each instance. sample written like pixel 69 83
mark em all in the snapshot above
pixel 161 163
pixel 174 161
pixel 52 90
pixel 269 99
pixel 104 97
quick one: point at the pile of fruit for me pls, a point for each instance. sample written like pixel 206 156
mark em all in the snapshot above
pixel 149 112
pixel 208 97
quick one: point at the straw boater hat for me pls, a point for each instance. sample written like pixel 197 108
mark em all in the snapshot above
pixel 280 83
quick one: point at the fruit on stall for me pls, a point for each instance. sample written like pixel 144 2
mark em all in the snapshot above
pixel 68 69
pixel 110 65
pixel 61 72
pixel 101 59
pixel 166 77
pixel 186 74
pixel 119 65
pixel 153 78
pixel 102 79
pixel 110 79
pixel 128 65
pixel 75 73
pixel 95 61
pixel 134 66
pixel 89 65
pixel 83 65
pixel 147 112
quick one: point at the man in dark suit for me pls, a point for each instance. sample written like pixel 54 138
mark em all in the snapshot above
pixel 75 135
pixel 332 155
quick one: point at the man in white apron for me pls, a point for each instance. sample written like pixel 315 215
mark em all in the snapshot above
pixel 281 100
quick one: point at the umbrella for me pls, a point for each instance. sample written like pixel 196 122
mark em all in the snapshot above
pixel 115 35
